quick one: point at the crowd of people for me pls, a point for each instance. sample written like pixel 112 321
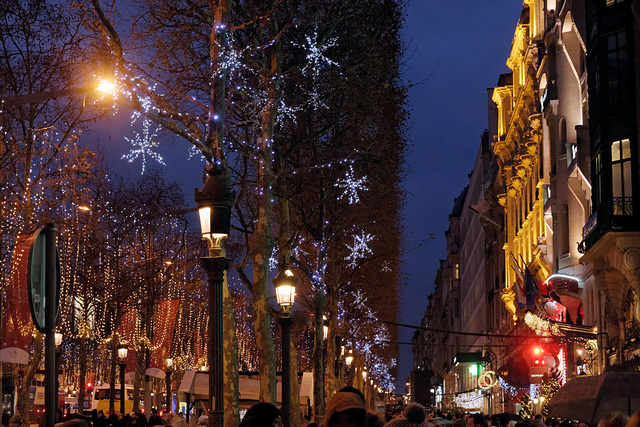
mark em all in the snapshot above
pixel 346 408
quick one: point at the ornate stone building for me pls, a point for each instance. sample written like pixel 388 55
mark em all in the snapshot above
pixel 556 205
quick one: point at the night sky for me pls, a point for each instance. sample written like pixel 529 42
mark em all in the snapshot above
pixel 455 50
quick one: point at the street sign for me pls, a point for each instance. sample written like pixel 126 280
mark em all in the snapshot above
pixel 38 279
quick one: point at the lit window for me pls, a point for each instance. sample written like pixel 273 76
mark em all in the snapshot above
pixel 621 177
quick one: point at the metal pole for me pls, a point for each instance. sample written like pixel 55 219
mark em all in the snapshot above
pixel 122 390
pixel 169 396
pixel 50 394
pixel 285 322
pixel 215 267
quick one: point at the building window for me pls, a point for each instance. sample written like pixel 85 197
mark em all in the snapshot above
pixel 621 177
pixel 617 70
pixel 563 136
pixel 597 187
pixel 456 273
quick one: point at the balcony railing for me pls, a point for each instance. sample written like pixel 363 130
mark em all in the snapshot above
pixel 631 331
pixel 623 206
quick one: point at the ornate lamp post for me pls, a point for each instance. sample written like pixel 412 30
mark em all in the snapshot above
pixel 349 360
pixel 364 381
pixel 58 341
pixel 169 363
pixel 285 286
pixel 122 355
pixel 214 206
pixel 325 328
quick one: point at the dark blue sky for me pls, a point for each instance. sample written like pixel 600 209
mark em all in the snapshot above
pixel 457 48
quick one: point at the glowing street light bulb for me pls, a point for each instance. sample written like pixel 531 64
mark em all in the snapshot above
pixel 106 86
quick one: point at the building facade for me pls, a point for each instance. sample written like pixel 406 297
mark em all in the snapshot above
pixel 549 225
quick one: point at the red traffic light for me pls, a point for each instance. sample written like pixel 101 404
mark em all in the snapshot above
pixel 538 356
pixel 89 386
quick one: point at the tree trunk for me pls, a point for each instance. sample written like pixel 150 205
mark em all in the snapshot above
pixel 262 239
pixel 231 380
pixel 23 404
pixel 112 382
pixel 138 376
pixel 261 244
pixel 296 419
pixel 83 372
pixel 332 351
pixel 320 302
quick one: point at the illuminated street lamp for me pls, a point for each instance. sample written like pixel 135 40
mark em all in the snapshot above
pixel 102 86
pixel 122 355
pixel 285 286
pixel 349 359
pixel 169 363
pixel 325 327
pixel 214 207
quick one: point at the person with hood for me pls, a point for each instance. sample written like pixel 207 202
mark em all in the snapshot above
pixel 345 409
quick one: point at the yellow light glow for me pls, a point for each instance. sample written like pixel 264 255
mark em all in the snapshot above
pixel 106 86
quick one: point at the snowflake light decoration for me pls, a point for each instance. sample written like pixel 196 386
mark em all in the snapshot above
pixel 316 57
pixel 360 248
pixel 351 186
pixel 230 61
pixel 143 146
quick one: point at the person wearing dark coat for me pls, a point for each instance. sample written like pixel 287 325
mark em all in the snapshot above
pixel 155 419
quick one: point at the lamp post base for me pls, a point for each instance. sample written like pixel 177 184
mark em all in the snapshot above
pixel 216 418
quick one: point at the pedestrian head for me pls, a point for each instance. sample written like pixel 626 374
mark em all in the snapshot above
pixel 476 420
pixel 615 420
pixel 414 416
pixel 354 390
pixel 262 414
pixel 345 409
pixel 634 421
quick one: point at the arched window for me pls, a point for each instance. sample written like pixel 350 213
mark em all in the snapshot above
pixel 563 136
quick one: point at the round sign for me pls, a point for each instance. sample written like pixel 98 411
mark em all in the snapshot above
pixel 487 380
pixel 37 281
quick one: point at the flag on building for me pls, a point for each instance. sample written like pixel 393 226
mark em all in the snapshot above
pixel 519 286
pixel 531 289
